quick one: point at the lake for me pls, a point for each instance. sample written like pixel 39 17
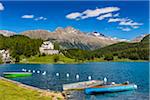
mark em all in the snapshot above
pixel 134 72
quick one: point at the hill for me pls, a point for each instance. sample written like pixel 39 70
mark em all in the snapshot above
pixel 122 50
pixel 139 50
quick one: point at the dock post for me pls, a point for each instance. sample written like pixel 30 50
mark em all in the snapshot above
pixel 57 74
pixel 77 76
pixel 44 73
pixel 33 71
pixel 38 71
pixel 89 77
pixel 67 74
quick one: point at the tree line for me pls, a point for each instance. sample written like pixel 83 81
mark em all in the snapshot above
pixel 20 45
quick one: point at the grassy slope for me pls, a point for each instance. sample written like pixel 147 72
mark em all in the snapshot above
pixel 47 59
pixel 12 91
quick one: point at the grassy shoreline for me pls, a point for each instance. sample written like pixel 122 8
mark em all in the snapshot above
pixel 61 59
pixel 12 90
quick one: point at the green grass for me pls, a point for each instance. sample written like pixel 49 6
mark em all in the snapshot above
pixel 47 59
pixel 12 91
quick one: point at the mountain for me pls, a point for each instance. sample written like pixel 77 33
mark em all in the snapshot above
pixel 102 36
pixel 139 38
pixel 70 37
pixel 7 33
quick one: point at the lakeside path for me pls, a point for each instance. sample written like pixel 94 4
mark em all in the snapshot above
pixel 12 90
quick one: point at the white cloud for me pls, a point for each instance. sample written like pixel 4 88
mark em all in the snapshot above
pixel 33 17
pixel 116 15
pixel 1 7
pixel 135 27
pixel 130 23
pixel 98 11
pixel 126 22
pixel 118 20
pixel 73 15
pixel 104 16
pixel 125 29
pixel 28 16
pixel 92 13
pixel 40 18
pixel 107 12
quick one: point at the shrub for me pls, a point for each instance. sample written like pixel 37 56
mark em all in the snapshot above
pixel 108 57
pixel 1 61
pixel 56 58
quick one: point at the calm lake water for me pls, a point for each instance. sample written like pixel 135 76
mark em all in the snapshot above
pixel 134 72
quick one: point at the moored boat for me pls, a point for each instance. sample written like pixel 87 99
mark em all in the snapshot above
pixel 110 88
pixel 82 85
pixel 16 74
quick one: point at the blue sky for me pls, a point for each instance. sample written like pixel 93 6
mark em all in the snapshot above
pixel 121 19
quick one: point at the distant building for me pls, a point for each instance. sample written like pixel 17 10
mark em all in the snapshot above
pixel 48 48
pixel 5 56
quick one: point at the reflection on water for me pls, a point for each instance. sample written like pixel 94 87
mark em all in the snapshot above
pixel 137 72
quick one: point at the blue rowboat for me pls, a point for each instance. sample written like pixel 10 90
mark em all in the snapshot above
pixel 110 88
